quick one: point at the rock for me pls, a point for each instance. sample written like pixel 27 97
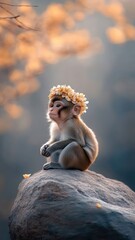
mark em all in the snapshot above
pixel 72 205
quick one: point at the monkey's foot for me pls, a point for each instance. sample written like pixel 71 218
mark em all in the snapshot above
pixel 51 165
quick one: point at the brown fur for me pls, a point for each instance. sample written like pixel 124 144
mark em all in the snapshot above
pixel 72 143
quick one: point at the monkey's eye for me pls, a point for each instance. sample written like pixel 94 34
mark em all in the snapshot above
pixel 58 105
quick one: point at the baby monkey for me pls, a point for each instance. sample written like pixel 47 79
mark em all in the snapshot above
pixel 72 145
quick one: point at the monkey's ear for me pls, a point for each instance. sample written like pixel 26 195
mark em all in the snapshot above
pixel 76 110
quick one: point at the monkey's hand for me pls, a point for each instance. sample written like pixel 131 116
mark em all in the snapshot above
pixel 43 150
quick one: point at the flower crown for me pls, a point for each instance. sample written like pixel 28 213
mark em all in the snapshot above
pixel 70 95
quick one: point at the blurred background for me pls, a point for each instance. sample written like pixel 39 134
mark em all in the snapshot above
pixel 88 44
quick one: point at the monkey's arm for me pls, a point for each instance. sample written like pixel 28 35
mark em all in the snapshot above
pixel 70 135
pixel 59 145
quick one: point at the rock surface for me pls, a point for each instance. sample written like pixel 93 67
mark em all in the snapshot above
pixel 70 204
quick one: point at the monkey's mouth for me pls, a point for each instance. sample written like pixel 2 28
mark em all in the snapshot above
pixel 52 114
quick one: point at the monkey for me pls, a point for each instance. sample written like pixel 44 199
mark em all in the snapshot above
pixel 72 144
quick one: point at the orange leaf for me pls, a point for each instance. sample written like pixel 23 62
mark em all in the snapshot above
pixel 26 175
pixel 98 205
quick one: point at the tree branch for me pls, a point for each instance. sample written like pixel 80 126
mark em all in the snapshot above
pixel 18 5
pixel 13 17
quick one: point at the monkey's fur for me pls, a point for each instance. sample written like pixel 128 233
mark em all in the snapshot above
pixel 72 145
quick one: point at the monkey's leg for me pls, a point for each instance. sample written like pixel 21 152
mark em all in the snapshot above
pixel 74 157
pixel 53 164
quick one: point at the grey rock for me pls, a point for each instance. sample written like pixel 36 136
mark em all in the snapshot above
pixel 70 204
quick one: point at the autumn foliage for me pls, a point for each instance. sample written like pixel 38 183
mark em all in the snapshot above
pixel 30 41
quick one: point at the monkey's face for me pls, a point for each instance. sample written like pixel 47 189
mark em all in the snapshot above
pixel 54 109
pixel 60 110
pixel 57 111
